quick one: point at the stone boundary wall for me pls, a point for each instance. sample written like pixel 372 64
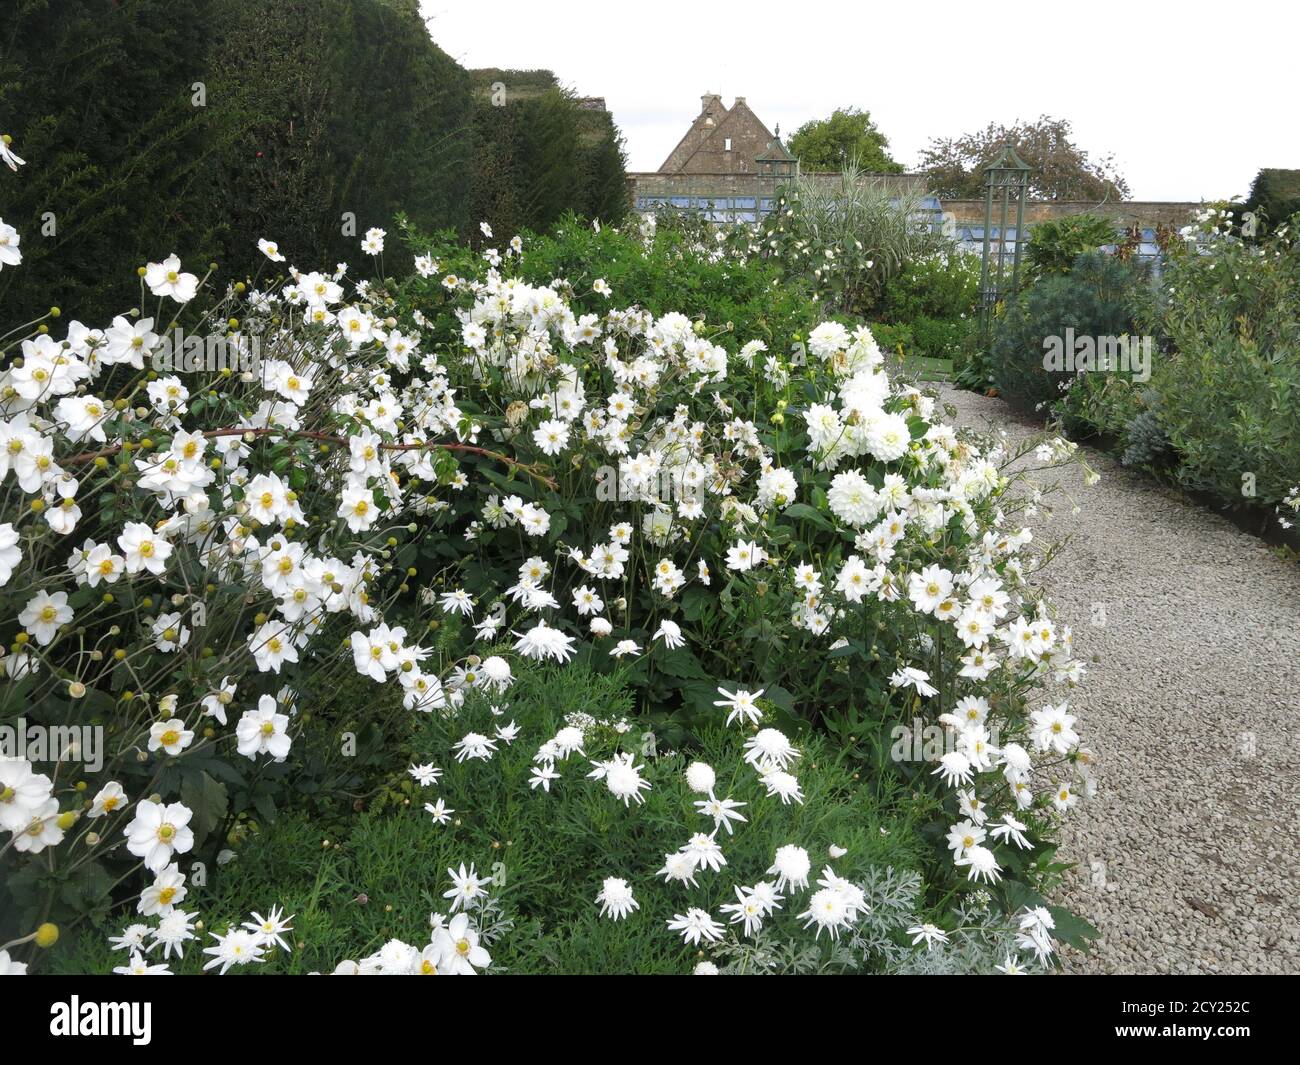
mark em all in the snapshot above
pixel 656 184
pixel 1146 213
pixel 1125 212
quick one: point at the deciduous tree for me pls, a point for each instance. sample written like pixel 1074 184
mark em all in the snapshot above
pixel 1061 169
pixel 847 136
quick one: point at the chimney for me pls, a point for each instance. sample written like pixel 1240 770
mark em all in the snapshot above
pixel 708 100
pixel 739 100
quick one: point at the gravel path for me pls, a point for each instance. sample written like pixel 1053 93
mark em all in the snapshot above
pixel 1189 857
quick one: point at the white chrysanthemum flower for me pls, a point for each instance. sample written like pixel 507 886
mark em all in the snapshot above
pixel 791 867
pixel 769 748
pixel 622 778
pixel 542 642
pixel 701 778
pixel 616 899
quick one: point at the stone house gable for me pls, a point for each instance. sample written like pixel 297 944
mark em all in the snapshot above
pixel 720 140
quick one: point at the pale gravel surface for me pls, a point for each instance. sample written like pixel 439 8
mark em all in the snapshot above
pixel 1189 856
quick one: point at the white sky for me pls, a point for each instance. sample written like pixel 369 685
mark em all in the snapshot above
pixel 1191 98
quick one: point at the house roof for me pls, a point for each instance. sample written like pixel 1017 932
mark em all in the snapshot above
pixel 714 130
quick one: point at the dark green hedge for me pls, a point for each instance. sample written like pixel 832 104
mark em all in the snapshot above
pixel 313 111
pixel 1276 195
pixel 539 153
pixel 97 98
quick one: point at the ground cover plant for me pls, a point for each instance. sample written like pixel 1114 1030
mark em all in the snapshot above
pixel 357 891
pixel 437 482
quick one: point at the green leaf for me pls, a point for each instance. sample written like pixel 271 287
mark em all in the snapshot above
pixel 265 806
pixel 209 801
pixel 780 697
pixel 681 664
pixel 1072 929
pixel 694 602
pixel 803 512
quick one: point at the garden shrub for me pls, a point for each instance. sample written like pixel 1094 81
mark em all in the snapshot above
pixel 144 129
pixel 941 286
pixel 1229 383
pixel 895 338
pixel 1221 413
pixel 1102 404
pixel 940 338
pixel 436 480
pixel 332 112
pixel 1147 443
pixel 678 266
pixel 972 370
pixel 91 95
pixel 1054 246
pixel 935 298
pixel 848 241
pixel 1233 416
pixel 1093 300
